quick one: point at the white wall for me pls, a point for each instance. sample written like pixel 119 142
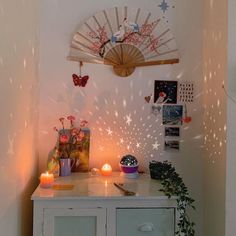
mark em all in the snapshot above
pixel 215 74
pixel 231 131
pixel 18 86
pixel 58 96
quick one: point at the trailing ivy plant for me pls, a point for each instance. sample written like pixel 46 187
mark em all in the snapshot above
pixel 173 185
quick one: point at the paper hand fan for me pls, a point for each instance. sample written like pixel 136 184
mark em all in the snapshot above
pixel 124 38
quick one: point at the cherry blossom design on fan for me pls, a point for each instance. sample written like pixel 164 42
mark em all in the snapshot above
pixel 124 38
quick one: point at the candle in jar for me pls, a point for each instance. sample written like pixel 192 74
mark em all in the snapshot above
pixel 106 170
pixel 46 180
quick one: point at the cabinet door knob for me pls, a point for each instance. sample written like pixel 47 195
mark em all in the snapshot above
pixel 146 227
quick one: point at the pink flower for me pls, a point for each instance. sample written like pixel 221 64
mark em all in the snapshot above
pixel 63 138
pixel 69 139
pixel 62 122
pixel 81 134
pixel 62 119
pixel 74 131
pixel 78 139
pixel 71 118
pixel 83 123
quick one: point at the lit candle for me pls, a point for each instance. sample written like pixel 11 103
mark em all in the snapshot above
pixel 106 170
pixel 46 180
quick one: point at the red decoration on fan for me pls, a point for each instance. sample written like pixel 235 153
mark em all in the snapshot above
pixel 80 81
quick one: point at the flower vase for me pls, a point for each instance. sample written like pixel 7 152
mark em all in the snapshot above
pixel 66 165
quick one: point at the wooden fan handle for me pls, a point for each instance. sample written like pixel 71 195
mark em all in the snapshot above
pixel 148 63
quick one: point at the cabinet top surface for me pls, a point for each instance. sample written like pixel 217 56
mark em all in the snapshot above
pixel 87 186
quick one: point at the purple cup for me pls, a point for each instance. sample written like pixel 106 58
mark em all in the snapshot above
pixel 66 165
pixel 129 169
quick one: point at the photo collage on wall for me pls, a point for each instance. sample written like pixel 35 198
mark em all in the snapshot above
pixel 170 98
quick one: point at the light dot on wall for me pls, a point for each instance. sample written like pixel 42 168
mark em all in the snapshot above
pixel 24 62
pixel 96 99
pixel 1 61
pixel 124 103
pixel 33 51
pixel 210 75
pixel 180 75
pixel 15 48
pixel 10 80
pixel 131 84
pixel 94 85
pixel 225 128
pixel 198 136
pixel 1 10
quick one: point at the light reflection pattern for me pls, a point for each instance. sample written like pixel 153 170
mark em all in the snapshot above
pixel 214 77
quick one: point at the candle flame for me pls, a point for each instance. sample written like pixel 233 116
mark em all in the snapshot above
pixel 106 167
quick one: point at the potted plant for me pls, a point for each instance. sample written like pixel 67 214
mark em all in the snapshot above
pixel 173 185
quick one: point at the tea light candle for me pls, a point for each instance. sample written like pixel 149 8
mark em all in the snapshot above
pixel 106 170
pixel 46 180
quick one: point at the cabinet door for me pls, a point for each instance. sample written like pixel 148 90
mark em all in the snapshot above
pixel 145 221
pixel 74 222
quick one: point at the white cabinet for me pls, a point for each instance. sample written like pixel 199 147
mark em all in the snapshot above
pixel 95 207
pixel 145 221
pixel 74 222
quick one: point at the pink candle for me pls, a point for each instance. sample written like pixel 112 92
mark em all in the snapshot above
pixel 46 180
pixel 106 170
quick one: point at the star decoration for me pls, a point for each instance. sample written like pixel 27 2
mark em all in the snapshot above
pixel 128 119
pixel 138 145
pixel 121 140
pixel 164 6
pixel 155 145
pixel 109 132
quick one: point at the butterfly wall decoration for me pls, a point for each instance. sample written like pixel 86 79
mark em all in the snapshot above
pixel 80 81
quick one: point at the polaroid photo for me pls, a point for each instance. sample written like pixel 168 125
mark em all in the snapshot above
pixel 171 145
pixel 165 91
pixel 172 114
pixel 172 132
